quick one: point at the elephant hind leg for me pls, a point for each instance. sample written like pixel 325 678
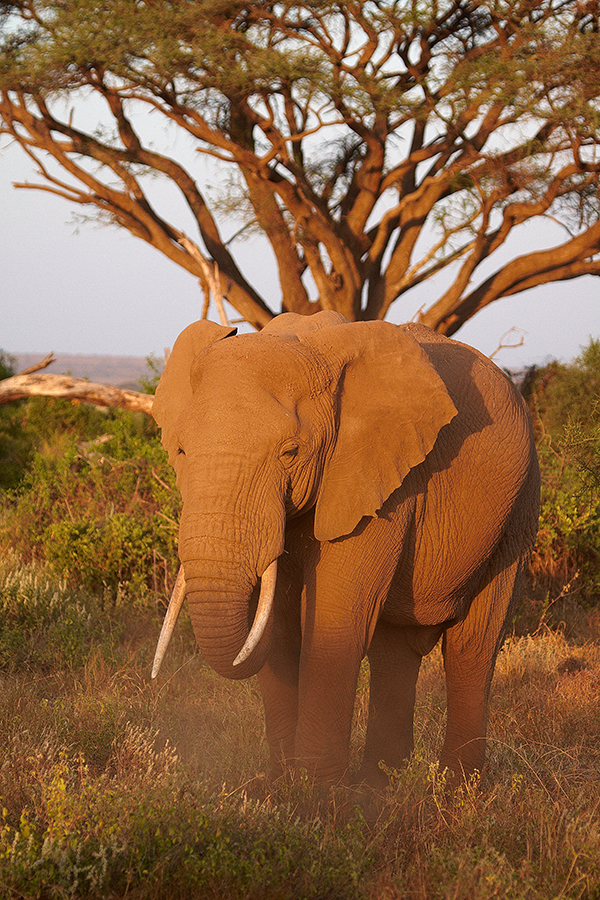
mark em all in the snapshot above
pixel 470 649
pixel 395 657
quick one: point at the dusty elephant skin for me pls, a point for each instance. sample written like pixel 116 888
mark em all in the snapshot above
pixel 387 476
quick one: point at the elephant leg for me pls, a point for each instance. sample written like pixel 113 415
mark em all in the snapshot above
pixel 470 649
pixel 327 693
pixel 279 691
pixel 278 682
pixel 394 659
pixel 332 651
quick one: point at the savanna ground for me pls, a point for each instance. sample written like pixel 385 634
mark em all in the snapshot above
pixel 113 786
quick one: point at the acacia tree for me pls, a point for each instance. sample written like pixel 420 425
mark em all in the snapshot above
pixel 376 144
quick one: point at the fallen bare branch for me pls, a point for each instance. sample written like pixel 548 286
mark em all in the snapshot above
pixel 19 387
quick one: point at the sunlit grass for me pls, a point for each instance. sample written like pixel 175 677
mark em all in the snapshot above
pixel 113 786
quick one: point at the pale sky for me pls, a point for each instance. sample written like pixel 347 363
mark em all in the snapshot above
pixel 97 290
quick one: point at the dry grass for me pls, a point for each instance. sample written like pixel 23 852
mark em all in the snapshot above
pixel 111 786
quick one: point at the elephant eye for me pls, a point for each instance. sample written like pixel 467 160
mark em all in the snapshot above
pixel 289 454
pixel 180 451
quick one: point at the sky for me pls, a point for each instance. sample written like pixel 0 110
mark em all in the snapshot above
pixel 90 289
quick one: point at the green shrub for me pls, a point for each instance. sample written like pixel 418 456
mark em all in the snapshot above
pixel 28 426
pixel 42 625
pixel 97 837
pixel 107 553
pixel 565 405
pixel 15 444
pixel 567 551
pixel 561 395
pixel 102 513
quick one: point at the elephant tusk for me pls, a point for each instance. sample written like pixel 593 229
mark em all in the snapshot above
pixel 263 611
pixel 168 626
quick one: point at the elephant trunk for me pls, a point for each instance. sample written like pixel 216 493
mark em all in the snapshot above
pixel 232 531
pixel 262 618
pixel 232 620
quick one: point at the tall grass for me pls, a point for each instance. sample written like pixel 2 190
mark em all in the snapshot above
pixel 113 786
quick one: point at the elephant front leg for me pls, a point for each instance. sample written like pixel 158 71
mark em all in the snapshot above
pixel 332 650
pixel 327 693
pixel 278 682
pixel 339 616
pixel 279 690
pixel 394 660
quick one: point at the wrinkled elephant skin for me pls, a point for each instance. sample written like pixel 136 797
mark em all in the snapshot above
pixel 391 475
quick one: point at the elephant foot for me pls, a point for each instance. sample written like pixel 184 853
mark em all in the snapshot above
pixel 378 775
pixel 371 779
pixel 455 777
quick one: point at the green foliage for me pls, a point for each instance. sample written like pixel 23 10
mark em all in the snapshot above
pixel 96 837
pixel 561 395
pixel 110 552
pixel 41 625
pixel 26 426
pixel 15 447
pixel 102 512
pixel 149 380
pixel 30 426
pixel 7 365
pixel 565 405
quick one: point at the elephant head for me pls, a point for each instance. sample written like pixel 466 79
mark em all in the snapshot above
pixel 311 413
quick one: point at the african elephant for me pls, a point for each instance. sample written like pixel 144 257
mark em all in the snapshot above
pixel 351 489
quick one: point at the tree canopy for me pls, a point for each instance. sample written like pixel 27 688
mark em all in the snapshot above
pixel 376 144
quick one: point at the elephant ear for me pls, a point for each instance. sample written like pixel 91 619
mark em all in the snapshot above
pixel 174 389
pixel 392 405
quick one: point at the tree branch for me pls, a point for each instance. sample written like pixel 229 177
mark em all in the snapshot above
pixel 569 260
pixel 42 364
pixel 19 387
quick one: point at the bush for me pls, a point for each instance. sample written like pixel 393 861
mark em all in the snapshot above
pixel 43 625
pixel 15 444
pixel 565 406
pixel 561 395
pixel 101 837
pixel 27 426
pixel 101 512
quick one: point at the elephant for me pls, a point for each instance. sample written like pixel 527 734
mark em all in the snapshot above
pixel 349 489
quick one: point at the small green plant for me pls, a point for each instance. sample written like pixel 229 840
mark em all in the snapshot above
pixel 15 445
pixel 144 826
pixel 149 380
pixel 34 425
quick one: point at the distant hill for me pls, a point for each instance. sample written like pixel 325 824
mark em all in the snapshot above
pixel 121 371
